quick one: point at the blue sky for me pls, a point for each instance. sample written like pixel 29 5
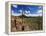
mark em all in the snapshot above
pixel 28 10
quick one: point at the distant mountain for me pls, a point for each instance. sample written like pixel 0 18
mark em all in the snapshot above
pixel 24 16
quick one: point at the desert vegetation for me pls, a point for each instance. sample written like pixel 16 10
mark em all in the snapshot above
pixel 24 23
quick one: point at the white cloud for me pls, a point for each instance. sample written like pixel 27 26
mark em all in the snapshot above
pixel 20 11
pixel 15 14
pixel 33 15
pixel 39 11
pixel 27 12
pixel 40 14
pixel 15 6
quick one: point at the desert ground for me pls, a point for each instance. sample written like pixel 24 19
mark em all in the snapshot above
pixel 24 23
